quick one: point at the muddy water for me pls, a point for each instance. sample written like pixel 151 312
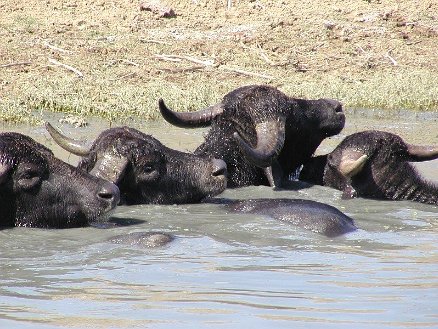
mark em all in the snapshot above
pixel 229 271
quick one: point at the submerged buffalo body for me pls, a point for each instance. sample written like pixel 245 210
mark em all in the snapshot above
pixel 145 170
pixel 374 164
pixel 144 239
pixel 263 135
pixel 39 190
pixel 307 214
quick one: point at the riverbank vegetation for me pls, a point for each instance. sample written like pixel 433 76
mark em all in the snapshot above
pixel 115 59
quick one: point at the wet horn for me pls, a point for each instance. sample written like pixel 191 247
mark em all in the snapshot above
pixel 196 119
pixel 422 153
pixel 352 163
pixel 110 167
pixel 270 140
pixel 71 145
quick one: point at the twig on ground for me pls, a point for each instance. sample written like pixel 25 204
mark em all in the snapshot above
pixel 261 52
pixel 127 61
pixel 252 74
pixel 155 41
pixel 68 67
pixel 264 56
pixel 177 58
pixel 182 70
pixel 361 49
pixel 205 64
pixel 394 62
pixel 208 62
pixel 167 58
pixel 16 64
pixel 56 48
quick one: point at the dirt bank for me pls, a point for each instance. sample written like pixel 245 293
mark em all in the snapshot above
pixel 114 60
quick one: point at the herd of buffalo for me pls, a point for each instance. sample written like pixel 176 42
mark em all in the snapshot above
pixel 257 136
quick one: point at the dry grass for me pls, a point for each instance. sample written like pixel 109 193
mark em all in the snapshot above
pixel 367 54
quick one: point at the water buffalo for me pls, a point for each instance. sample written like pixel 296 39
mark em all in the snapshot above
pixel 310 215
pixel 145 170
pixel 263 135
pixel 39 190
pixel 374 164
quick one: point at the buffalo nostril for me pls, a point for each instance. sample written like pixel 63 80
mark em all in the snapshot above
pixel 220 172
pixel 219 168
pixel 110 193
pixel 105 195
pixel 338 108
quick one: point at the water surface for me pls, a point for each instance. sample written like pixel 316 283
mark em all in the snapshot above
pixel 230 270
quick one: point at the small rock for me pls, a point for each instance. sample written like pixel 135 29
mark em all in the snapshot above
pixel 158 9
pixel 74 120
pixel 329 25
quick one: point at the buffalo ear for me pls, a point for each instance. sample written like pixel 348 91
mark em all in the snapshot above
pixel 4 172
pixel 352 163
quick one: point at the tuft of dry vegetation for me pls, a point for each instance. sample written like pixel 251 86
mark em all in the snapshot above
pixel 114 60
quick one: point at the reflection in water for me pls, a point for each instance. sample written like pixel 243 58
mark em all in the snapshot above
pixel 227 270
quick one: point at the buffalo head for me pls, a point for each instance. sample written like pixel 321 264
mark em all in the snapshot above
pixel 374 164
pixel 39 190
pixel 263 135
pixel 145 170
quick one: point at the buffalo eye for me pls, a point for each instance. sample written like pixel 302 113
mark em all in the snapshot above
pixel 28 177
pixel 147 172
pixel 148 169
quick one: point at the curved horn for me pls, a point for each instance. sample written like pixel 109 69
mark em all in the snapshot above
pixel 110 167
pixel 68 144
pixel 270 140
pixel 196 119
pixel 352 163
pixel 422 153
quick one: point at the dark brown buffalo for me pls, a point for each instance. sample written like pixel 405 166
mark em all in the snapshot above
pixel 374 164
pixel 263 135
pixel 145 170
pixel 39 190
